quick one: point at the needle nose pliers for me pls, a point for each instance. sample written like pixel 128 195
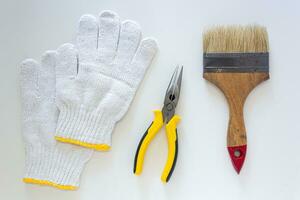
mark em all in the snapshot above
pixel 166 115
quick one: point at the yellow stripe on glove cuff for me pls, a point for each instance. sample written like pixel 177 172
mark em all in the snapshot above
pixel 49 183
pixel 99 147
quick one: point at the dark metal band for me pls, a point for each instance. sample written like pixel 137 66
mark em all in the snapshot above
pixel 236 62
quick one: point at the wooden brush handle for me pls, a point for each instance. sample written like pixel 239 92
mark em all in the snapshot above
pixel 236 87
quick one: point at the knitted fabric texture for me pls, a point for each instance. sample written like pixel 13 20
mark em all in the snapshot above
pixel 104 69
pixel 47 162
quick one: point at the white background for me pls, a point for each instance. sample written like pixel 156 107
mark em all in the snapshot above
pixel 203 171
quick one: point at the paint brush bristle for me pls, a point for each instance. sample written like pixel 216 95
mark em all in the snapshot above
pixel 236 39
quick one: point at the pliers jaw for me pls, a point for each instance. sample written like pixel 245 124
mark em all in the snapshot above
pixel 172 95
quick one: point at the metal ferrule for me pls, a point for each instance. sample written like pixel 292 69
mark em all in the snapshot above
pixel 236 62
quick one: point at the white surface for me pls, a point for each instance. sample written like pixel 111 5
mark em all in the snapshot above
pixel 203 171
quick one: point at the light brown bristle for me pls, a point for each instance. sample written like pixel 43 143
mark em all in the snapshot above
pixel 236 39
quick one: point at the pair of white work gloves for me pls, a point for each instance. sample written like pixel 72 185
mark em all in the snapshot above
pixel 77 94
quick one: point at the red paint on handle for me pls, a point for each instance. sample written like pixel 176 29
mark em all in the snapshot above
pixel 237 155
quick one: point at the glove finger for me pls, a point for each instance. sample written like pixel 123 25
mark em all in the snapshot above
pixel 48 112
pixel 109 28
pixel 142 59
pixel 29 82
pixel 29 93
pixel 86 39
pixel 130 37
pixel 66 67
pixel 47 75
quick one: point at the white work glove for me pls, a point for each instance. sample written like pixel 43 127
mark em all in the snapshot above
pixel 111 60
pixel 47 161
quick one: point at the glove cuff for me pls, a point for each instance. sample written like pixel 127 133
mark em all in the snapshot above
pixel 47 165
pixel 79 126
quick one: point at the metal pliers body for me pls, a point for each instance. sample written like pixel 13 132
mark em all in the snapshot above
pixel 165 116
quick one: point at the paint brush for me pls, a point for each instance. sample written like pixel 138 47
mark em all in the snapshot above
pixel 236 60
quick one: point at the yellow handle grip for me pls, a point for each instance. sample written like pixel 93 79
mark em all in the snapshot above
pixel 145 141
pixel 173 148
